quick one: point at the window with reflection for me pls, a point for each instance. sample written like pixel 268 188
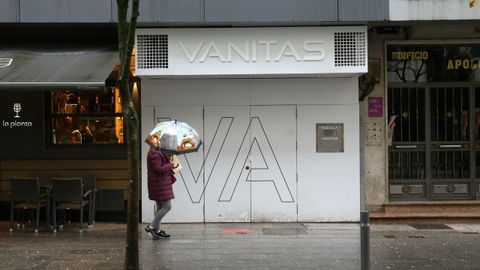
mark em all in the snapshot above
pixel 86 117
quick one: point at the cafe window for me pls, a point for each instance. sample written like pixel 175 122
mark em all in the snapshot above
pixel 86 117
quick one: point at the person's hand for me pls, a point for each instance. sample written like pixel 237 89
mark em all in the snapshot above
pixel 174 161
pixel 177 166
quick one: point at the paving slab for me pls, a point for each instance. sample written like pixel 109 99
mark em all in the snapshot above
pixel 465 228
pixel 424 249
pixel 245 246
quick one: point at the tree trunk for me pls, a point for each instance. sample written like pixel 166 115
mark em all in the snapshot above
pixel 126 39
pixel 132 129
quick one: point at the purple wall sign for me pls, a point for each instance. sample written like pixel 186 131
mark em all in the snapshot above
pixel 375 107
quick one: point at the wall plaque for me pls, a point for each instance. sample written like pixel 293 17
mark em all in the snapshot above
pixel 329 137
pixel 375 107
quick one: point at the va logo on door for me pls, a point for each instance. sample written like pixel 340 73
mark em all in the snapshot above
pixel 267 170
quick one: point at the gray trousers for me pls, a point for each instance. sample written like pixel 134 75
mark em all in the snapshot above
pixel 162 209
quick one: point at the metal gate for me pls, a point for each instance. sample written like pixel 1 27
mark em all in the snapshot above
pixel 434 144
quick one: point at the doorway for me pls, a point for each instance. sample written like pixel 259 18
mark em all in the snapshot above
pixel 246 170
pixel 434 143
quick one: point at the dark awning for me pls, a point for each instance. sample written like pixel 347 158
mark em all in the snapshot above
pixel 68 69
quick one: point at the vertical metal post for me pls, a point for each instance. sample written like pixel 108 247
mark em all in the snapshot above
pixel 472 115
pixel 365 240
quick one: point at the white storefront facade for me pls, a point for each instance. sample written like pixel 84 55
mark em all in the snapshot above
pixel 277 109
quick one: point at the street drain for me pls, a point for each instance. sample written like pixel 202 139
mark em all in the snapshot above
pixel 390 236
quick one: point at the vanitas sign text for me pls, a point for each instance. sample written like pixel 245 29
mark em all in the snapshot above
pixel 237 52
pixel 249 51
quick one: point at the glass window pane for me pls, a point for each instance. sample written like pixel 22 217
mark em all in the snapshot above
pixel 86 117
pixel 87 130
pixel 86 101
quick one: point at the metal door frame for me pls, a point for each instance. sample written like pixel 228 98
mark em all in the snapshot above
pixel 428 148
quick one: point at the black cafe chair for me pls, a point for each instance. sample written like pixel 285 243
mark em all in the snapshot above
pixel 90 189
pixel 68 195
pixel 44 177
pixel 26 193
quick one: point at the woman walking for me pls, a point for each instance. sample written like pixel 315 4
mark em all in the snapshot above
pixel 160 178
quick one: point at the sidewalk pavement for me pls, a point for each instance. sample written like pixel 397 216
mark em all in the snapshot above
pixel 245 246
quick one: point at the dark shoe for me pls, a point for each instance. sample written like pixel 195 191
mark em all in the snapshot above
pixel 151 232
pixel 162 233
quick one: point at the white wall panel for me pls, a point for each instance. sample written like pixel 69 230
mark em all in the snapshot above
pixel 250 91
pixel 195 92
pixel 328 187
pixel 148 121
pixel 227 197
pixel 273 163
pixel 304 91
pixel 328 183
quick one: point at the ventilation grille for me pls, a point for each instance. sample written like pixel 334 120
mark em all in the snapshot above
pixel 350 49
pixel 152 51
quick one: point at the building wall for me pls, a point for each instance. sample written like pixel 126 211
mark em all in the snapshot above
pixel 9 11
pixel 374 156
pixel 429 10
pixel 201 12
pixel 324 191
pixel 195 11
pixel 63 11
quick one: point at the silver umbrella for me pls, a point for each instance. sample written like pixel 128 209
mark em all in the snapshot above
pixel 175 137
